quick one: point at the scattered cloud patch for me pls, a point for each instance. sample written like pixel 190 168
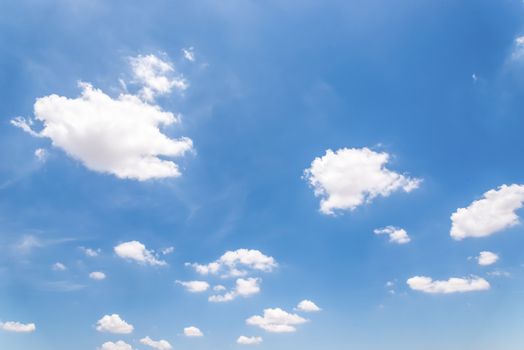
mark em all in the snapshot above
pixel 396 234
pixel 97 275
pixel 17 327
pixel 113 324
pixel 189 54
pixel 194 286
pixel 156 344
pixel 168 250
pixel 193 332
pixel 452 285
pixel 235 263
pixel 119 345
pixel 494 212
pixel 308 306
pixel 243 340
pixel 244 288
pixel 41 155
pixel 276 321
pixel 350 177
pixel 136 251
pixel 90 252
pixel 59 267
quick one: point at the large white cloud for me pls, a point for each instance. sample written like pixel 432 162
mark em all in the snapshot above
pixel 18 327
pixel 486 258
pixel 235 263
pixel 119 345
pixel 243 340
pixel 244 288
pixel 193 332
pixel 120 136
pixel 194 286
pixel 308 306
pixel 276 321
pixel 452 285
pixel 494 212
pixel 156 344
pixel 136 251
pixel 396 234
pixel 113 324
pixel 350 177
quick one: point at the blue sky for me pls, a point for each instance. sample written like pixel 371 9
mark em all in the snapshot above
pixel 223 147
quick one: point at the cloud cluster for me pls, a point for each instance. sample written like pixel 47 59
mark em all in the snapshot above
pixel 243 340
pixel 396 234
pixel 452 285
pixel 136 251
pixel 493 213
pixel 236 263
pixel 350 177
pixel 18 327
pixel 276 321
pixel 243 288
pixel 156 344
pixel 113 324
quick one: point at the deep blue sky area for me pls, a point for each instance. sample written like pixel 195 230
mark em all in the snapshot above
pixel 437 85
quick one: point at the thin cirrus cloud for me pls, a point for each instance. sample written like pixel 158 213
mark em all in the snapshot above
pixel 156 344
pixel 349 177
pixel 193 332
pixel 119 345
pixel 136 251
pixel 494 212
pixel 236 263
pixel 308 306
pixel 244 288
pixel 114 324
pixel 194 286
pixel 396 234
pixel 452 285
pixel 86 126
pixel 276 321
pixel 487 258
pixel 243 340
pixel 17 327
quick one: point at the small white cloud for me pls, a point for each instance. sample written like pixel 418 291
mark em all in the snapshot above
pixel 219 288
pixel 189 54
pixel 487 258
pixel 90 252
pixel 235 263
pixel 156 344
pixel 350 177
pixel 499 273
pixel 276 321
pixel 244 288
pixel 396 234
pixel 194 286
pixel 59 267
pixel 113 324
pixel 97 275
pixel 308 306
pixel 193 332
pixel 518 48
pixel 41 154
pixel 119 345
pixel 17 327
pixel 136 251
pixel 495 212
pixel 452 285
pixel 168 250
pixel 243 340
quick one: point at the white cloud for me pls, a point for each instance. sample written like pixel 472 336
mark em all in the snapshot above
pixel 194 286
pixel 452 285
pixel 17 327
pixel 350 177
pixel 244 288
pixel 159 344
pixel 59 267
pixel 97 275
pixel 193 332
pixel 136 251
pixel 189 54
pixel 308 306
pixel 495 212
pixel 487 258
pixel 219 288
pixel 113 324
pixel 156 76
pixel 168 250
pixel 87 126
pixel 396 234
pixel 236 262
pixel 518 48
pixel 119 345
pixel 243 340
pixel 90 252
pixel 41 154
pixel 276 321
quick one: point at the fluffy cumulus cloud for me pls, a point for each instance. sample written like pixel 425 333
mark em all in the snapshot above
pixel 136 251
pixel 276 321
pixel 350 177
pixel 396 234
pixel 486 258
pixel 244 288
pixel 307 306
pixel 156 76
pixel 59 267
pixel 452 285
pixel 494 212
pixel 235 263
pixel 193 332
pixel 119 345
pixel 243 340
pixel 194 286
pixel 17 327
pixel 156 344
pixel 113 324
pixel 97 275
pixel 86 127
